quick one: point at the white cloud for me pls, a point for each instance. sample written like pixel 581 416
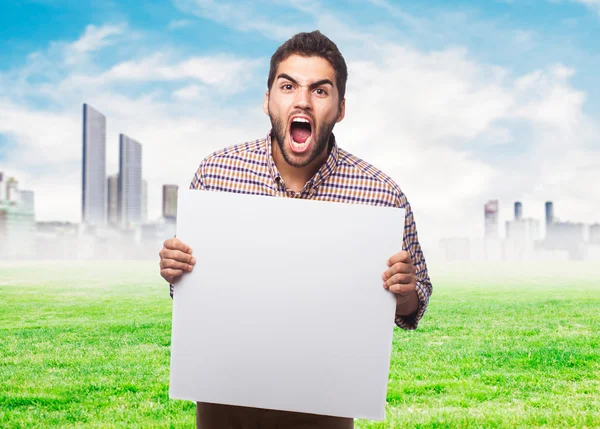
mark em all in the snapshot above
pixel 226 72
pixel 180 23
pixel 239 16
pixel 94 38
pixel 189 92
pixel 396 12
pixel 592 4
pixel 524 39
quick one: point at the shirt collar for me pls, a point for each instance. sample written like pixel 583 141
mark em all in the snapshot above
pixel 321 175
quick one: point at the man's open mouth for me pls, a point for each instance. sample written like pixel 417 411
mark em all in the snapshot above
pixel 300 134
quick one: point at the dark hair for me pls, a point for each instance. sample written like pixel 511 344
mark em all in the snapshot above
pixel 314 44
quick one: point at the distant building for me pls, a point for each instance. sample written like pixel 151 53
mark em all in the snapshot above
pixel 17 223
pixel 491 219
pixel 27 201
pixel 518 211
pixel 549 215
pixel 144 201
pixel 523 230
pixel 63 228
pixel 567 236
pixel 112 200
pixel 566 232
pixel 595 233
pixel 2 187
pixel 130 181
pixel 169 202
pixel 521 238
pixel 12 191
pixel 93 196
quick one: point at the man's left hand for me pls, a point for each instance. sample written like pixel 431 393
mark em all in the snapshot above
pixel 401 279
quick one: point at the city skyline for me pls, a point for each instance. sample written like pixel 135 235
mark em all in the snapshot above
pixel 126 192
pixel 23 237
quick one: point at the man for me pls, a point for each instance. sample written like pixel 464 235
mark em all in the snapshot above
pixel 300 158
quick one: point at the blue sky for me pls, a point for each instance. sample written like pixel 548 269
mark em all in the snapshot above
pixel 487 93
pixel 565 31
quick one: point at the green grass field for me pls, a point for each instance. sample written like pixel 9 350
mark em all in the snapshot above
pixel 87 345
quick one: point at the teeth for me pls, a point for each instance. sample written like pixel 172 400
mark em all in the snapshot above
pixel 300 120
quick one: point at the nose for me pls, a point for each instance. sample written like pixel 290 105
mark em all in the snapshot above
pixel 303 100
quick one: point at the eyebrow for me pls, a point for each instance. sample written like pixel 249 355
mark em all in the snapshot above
pixel 312 85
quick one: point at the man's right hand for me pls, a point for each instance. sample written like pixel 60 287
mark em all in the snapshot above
pixel 175 259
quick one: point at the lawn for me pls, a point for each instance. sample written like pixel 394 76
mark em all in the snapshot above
pixel 87 345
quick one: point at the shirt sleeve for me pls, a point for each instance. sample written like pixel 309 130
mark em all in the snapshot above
pixel 196 183
pixel 423 286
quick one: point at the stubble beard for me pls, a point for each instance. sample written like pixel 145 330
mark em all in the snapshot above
pixel 320 141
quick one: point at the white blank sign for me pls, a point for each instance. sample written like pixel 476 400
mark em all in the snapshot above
pixel 285 308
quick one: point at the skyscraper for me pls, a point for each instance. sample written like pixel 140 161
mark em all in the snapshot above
pixel 549 213
pixel 169 204
pixel 112 185
pixel 518 211
pixel 144 201
pixel 93 196
pixel 549 218
pixel 491 219
pixel 595 233
pixel 130 181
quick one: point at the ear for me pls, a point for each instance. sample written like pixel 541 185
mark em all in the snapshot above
pixel 266 103
pixel 342 112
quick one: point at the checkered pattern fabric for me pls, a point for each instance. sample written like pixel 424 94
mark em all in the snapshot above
pixel 249 168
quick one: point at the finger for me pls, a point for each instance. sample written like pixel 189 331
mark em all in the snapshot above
pixel 402 288
pixel 178 255
pixel 402 256
pixel 177 244
pixel 170 263
pixel 399 278
pixel 399 267
pixel 170 274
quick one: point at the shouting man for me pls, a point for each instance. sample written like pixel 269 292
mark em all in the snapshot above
pixel 300 158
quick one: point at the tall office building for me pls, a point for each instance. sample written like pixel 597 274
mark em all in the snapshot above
pixel 169 202
pixel 595 233
pixel 549 218
pixel 144 201
pixel 93 197
pixel 112 212
pixel 130 181
pixel 518 211
pixel 549 213
pixel 491 219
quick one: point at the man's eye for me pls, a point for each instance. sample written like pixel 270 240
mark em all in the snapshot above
pixel 321 91
pixel 287 87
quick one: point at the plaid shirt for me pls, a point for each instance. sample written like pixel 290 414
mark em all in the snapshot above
pixel 249 168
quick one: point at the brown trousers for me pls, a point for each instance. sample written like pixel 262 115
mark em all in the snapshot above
pixel 217 416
